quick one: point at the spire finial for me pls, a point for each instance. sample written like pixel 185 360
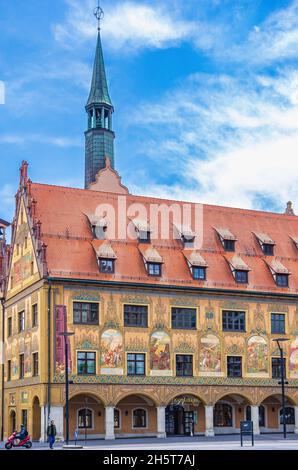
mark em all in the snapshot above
pixel 99 14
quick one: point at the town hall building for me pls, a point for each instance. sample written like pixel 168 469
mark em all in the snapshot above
pixel 172 307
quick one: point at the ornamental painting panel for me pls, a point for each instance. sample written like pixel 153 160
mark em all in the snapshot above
pixel 112 352
pixel 160 359
pixel 257 356
pixel 294 358
pixel 210 356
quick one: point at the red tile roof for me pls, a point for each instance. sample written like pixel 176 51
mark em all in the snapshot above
pixel 70 253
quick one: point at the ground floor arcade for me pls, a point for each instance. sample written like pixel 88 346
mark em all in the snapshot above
pixel 136 412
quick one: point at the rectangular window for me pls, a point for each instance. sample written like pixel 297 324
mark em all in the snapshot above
pixel 22 321
pixel 144 236
pixel 282 280
pixel 199 273
pixel 9 327
pixel 233 320
pixel 25 418
pixel 85 313
pixel 21 366
pixel 106 266
pixel 241 276
pixel 276 367
pixel 234 366
pixel 184 365
pixel 154 269
pixel 35 363
pixel 184 318
pixel 229 245
pixel 86 363
pixel 136 364
pixel 268 249
pixel 8 375
pixel 34 315
pixel 136 315
pixel 278 324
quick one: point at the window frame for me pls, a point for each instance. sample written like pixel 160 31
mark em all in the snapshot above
pixel 35 373
pixel 237 330
pixel 274 366
pixel 241 272
pixel 181 326
pixel 135 361
pixel 154 264
pixel 279 276
pixel 89 312
pixel 229 357
pixel 184 362
pixel 90 428
pixel 21 320
pixel 215 424
pixel 203 269
pixel 136 314
pixel 8 371
pixel 146 418
pixel 106 260
pixel 265 249
pixel 9 326
pixel 86 360
pixel 278 331
pixel 34 313
pixel 21 366
pixel 228 245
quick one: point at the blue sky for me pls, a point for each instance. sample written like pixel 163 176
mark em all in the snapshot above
pixel 205 95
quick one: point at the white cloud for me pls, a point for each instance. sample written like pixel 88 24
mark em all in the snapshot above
pixel 229 141
pixel 131 24
pixel 57 141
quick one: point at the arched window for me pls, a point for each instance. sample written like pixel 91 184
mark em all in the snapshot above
pixel 139 418
pixel 290 415
pixel 223 415
pixel 116 418
pixel 261 415
pixel 85 418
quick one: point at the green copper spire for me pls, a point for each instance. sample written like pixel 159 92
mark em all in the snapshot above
pixel 99 136
pixel 99 93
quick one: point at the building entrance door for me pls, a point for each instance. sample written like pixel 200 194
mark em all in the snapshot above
pixel 178 421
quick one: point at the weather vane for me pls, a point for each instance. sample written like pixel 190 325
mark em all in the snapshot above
pixel 99 14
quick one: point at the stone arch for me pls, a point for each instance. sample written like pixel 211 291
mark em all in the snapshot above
pixel 289 396
pixel 87 393
pixel 141 394
pixel 184 392
pixel 226 395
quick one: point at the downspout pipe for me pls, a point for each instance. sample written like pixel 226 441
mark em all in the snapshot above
pixel 2 371
pixel 49 348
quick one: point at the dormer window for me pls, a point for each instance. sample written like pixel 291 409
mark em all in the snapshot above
pixel 152 260
pixel 266 243
pixel 199 273
pixel 295 240
pixel 239 269
pixel 197 264
pixel 185 234
pixel 227 238
pixel 154 269
pixel 143 230
pixel 98 226
pixel 279 272
pixel 106 256
pixel 241 276
pixel 106 265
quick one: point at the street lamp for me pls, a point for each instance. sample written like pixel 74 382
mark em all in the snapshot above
pixel 66 335
pixel 282 382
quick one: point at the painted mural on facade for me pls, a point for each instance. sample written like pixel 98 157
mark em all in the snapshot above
pixel 160 353
pixel 112 353
pixel 293 366
pixel 22 268
pixel 210 355
pixel 257 356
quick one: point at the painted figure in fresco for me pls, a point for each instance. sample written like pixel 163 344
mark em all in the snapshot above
pixel 257 355
pixel 160 351
pixel 112 349
pixel 294 358
pixel 210 354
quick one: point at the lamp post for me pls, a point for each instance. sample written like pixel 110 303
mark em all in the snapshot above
pixel 282 382
pixel 66 335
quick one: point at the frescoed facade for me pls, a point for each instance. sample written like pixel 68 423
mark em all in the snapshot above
pixel 171 334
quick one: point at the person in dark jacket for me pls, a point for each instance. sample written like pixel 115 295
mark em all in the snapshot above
pixel 22 434
pixel 51 433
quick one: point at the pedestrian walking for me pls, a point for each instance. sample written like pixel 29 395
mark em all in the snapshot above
pixel 51 433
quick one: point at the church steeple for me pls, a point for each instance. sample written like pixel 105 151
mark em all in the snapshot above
pixel 99 137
